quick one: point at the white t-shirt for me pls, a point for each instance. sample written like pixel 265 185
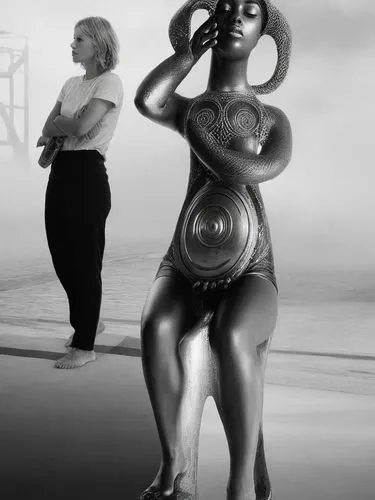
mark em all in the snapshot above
pixel 76 93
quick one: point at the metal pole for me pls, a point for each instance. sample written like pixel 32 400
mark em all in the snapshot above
pixel 26 98
pixel 11 93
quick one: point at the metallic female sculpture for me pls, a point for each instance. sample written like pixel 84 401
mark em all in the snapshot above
pixel 209 318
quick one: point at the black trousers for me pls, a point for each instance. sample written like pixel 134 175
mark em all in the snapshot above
pixel 78 201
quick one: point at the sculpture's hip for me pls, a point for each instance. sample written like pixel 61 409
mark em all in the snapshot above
pixel 222 234
pixel 216 234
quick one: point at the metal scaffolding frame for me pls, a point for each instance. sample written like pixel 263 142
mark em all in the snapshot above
pixel 18 60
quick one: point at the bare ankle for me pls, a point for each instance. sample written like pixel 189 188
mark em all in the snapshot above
pixel 175 458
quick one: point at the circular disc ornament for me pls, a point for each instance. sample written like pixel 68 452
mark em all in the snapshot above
pixel 217 234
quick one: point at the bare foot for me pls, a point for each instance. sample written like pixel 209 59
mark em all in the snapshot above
pixel 243 490
pixel 166 480
pixel 100 329
pixel 75 358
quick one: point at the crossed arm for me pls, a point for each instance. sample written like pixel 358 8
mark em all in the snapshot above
pixel 61 126
pixel 245 167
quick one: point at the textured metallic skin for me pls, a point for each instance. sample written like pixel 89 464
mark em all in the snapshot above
pixel 201 379
pixel 277 27
pixel 222 233
pixel 228 116
pixel 224 119
pixel 217 234
pixel 201 382
pixel 230 165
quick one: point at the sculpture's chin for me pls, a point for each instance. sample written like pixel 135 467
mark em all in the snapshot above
pixel 233 49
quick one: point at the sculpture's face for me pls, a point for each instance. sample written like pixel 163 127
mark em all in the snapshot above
pixel 239 23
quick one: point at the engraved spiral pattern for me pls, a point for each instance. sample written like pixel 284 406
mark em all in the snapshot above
pixel 244 120
pixel 205 118
pixel 228 116
pixel 242 117
pixel 213 226
pixel 217 234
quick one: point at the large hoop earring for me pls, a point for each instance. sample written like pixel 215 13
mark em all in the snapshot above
pixel 278 28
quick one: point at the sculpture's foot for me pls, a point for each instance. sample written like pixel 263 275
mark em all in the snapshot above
pixel 176 494
pixel 238 494
pixel 173 492
pixel 268 498
pixel 263 492
pixel 75 358
pixel 100 329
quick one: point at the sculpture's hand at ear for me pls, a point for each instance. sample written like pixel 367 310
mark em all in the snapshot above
pixel 204 38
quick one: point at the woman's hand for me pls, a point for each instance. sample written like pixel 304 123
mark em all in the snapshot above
pixel 42 141
pixel 204 38
pixel 80 112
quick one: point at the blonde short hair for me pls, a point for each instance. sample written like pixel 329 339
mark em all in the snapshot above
pixel 104 38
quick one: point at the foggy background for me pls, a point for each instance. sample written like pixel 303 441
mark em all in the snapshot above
pixel 320 209
pixel 321 214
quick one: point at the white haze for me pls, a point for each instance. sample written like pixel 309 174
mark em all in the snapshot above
pixel 320 209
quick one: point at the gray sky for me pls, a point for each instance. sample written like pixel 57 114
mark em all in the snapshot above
pixel 320 209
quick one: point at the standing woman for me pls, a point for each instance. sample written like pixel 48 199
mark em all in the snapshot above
pixel 219 268
pixel 78 197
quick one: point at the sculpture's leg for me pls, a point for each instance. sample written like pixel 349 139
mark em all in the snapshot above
pixel 261 477
pixel 199 378
pixel 239 335
pixel 167 315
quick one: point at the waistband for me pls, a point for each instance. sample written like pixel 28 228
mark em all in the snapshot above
pixel 80 159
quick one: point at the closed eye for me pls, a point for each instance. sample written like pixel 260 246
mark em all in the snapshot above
pixel 251 13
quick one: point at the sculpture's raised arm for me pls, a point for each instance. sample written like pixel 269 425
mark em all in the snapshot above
pixel 245 167
pixel 156 97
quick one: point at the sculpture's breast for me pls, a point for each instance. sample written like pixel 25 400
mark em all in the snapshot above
pixel 228 117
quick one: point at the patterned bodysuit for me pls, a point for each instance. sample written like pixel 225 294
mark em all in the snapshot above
pixel 228 117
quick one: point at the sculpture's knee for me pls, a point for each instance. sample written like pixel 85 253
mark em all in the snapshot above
pixel 158 332
pixel 233 343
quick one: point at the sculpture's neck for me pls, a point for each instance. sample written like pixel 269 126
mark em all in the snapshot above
pixel 227 75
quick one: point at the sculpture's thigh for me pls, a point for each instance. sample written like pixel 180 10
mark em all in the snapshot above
pixel 245 317
pixel 167 315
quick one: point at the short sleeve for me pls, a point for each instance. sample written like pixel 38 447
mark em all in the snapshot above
pixel 64 89
pixel 110 89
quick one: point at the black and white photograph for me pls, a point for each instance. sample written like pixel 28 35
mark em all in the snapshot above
pixel 187 250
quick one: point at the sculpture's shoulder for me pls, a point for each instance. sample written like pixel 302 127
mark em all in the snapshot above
pixel 280 139
pixel 277 117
